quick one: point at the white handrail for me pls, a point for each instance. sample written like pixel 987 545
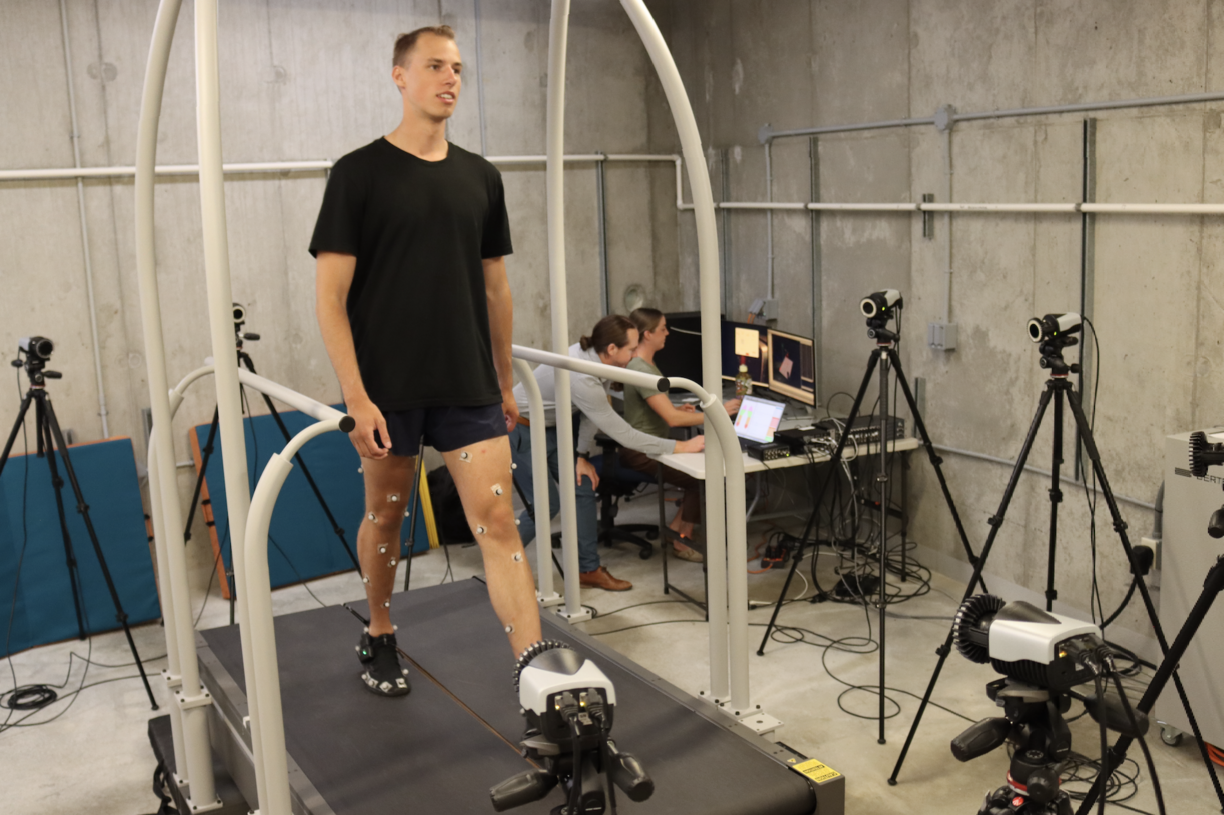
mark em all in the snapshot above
pixel 732 593
pixel 539 488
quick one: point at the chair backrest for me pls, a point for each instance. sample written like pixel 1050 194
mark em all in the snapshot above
pixel 614 479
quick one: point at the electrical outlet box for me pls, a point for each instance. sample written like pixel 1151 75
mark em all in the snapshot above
pixel 1154 545
pixel 941 336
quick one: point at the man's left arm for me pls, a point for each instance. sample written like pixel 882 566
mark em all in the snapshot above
pixel 501 327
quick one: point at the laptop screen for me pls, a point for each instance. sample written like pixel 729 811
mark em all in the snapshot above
pixel 758 419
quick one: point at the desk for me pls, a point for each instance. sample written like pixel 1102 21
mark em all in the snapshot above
pixel 694 464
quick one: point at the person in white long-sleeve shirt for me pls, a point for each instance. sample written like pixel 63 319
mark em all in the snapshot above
pixel 612 341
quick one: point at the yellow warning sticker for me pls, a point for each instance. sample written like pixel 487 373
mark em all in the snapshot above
pixel 815 771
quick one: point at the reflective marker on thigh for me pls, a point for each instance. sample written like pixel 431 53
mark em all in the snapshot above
pixel 510 629
pixel 382 550
pixel 365 580
pixel 497 489
pixel 372 518
pixel 392 563
pixel 480 530
pixel 392 498
pixel 466 457
pixel 518 557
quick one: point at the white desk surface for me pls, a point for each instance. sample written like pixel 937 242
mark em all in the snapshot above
pixel 694 463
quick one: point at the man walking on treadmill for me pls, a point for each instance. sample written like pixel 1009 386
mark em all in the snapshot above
pixel 414 307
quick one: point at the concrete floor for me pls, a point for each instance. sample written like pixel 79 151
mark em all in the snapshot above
pixel 95 757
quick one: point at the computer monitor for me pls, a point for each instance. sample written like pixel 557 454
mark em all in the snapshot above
pixel 681 356
pixel 792 367
pixel 757 419
pixel 752 344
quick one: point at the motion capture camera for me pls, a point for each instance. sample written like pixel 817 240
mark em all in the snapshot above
pixel 1051 326
pixel 1204 454
pixel 879 308
pixel 881 303
pixel 37 348
pixel 37 352
pixel 568 703
pixel 1023 642
pixel 240 315
pixel 1042 656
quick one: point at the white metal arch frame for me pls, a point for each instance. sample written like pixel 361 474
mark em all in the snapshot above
pixel 249 517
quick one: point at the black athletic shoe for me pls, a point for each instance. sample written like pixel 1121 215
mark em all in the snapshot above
pixel 383 674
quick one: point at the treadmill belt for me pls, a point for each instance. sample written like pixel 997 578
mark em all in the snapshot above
pixel 425 753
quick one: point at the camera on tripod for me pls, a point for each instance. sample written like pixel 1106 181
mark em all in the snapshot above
pixel 1042 656
pixel 880 307
pixel 239 321
pixel 1053 333
pixel 37 352
pixel 1204 454
pixel 569 703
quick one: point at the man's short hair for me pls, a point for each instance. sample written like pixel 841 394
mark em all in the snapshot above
pixel 404 43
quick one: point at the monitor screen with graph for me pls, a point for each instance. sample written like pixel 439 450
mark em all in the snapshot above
pixel 792 367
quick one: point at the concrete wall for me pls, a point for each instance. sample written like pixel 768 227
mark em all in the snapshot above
pixel 1156 302
pixel 299 81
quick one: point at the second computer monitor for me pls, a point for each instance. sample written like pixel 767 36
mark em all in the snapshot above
pixel 747 342
pixel 792 366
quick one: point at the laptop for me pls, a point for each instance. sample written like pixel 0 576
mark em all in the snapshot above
pixel 757 421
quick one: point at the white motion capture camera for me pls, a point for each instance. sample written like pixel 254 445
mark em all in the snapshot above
pixel 1052 326
pixel 881 303
pixel 568 703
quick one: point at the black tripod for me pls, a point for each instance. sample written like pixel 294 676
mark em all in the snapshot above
pixel 207 450
pixel 885 356
pixel 1059 387
pixel 50 440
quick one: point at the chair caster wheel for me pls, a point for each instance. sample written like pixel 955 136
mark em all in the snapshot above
pixel 645 554
pixel 1170 736
pixel 654 536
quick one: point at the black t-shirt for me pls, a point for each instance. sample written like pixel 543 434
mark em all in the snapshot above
pixel 417 306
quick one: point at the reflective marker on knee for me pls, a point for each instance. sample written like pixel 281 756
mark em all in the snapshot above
pixel 360 470
pixel 372 518
pixel 510 629
pixel 480 530
pixel 513 466
pixel 518 557
pixel 497 490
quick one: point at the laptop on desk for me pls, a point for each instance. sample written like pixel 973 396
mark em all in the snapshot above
pixel 757 421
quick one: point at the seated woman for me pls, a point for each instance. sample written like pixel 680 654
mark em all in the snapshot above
pixel 652 411
pixel 612 342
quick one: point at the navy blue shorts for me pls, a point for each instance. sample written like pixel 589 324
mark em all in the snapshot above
pixel 443 428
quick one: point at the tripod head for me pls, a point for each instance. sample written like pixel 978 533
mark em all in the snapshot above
pixel 1053 333
pixel 239 322
pixel 879 308
pixel 37 352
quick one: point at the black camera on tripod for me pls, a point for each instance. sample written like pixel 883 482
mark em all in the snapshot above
pixel 1053 333
pixel 880 307
pixel 37 352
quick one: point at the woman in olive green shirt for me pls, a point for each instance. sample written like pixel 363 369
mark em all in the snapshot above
pixel 651 411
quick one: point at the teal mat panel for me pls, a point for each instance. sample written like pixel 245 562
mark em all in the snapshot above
pixel 301 543
pixel 43 610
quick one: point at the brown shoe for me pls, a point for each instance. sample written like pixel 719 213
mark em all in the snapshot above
pixel 601 578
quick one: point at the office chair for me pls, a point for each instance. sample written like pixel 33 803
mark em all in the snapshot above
pixel 616 482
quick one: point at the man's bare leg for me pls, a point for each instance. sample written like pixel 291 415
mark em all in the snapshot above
pixel 483 477
pixel 388 482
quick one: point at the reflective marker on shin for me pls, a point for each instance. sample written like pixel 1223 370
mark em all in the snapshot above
pixel 392 498
pixel 510 629
pixel 497 489
pixel 518 557
pixel 480 530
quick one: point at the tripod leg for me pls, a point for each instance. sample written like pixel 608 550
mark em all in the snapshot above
pixel 936 463
pixel 996 522
pixel 246 360
pixel 1056 497
pixel 205 455
pixel 41 410
pixel 824 486
pixel 83 508
pixel 21 414
pixel 883 482
pixel 1085 434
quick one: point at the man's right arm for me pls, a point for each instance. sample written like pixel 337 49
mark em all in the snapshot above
pixel 333 277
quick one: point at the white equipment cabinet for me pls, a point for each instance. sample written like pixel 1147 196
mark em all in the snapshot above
pixel 1187 552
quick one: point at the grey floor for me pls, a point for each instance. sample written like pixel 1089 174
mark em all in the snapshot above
pixel 92 754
